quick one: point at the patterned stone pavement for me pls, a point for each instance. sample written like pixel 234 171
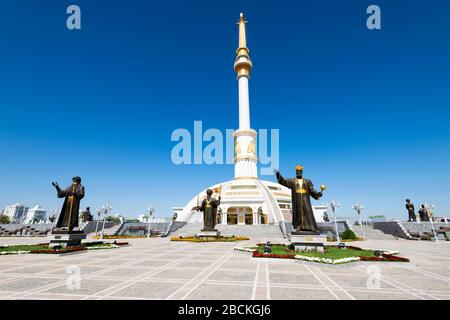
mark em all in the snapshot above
pixel 159 269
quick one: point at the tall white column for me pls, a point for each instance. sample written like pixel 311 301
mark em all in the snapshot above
pixel 245 158
pixel 244 103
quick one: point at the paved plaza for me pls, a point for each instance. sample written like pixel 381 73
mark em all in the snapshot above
pixel 160 269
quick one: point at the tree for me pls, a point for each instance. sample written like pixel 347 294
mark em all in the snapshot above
pixel 4 219
pixel 112 219
pixel 349 235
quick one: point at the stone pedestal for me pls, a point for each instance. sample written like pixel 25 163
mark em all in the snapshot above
pixel 65 239
pixel 209 233
pixel 308 241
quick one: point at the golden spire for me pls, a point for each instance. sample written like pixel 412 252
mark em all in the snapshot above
pixel 242 39
pixel 242 64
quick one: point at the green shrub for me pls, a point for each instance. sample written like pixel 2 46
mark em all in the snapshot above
pixel 4 219
pixel 349 235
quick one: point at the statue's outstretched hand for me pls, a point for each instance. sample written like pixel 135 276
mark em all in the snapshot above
pixel 275 171
pixel 55 184
pixel 320 194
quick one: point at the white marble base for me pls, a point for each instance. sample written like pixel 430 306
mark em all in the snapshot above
pixel 308 242
pixel 65 239
pixel 214 233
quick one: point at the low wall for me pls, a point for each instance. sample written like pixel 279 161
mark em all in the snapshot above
pixel 141 228
pixel 423 226
pixel 92 225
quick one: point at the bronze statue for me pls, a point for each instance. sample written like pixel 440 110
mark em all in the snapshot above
pixel 209 209
pixel 411 213
pixel 423 213
pixel 68 218
pixel 86 215
pixel 302 212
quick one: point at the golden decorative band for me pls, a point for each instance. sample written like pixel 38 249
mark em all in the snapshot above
pixel 301 191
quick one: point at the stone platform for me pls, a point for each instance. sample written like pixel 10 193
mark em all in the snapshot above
pixel 64 239
pixel 209 233
pixel 308 241
pixel 158 268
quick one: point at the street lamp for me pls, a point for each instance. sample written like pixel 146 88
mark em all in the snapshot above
pixel 430 209
pixel 106 209
pixel 150 212
pixel 99 212
pixel 334 206
pixel 358 208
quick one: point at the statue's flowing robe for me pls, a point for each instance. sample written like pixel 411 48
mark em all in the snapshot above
pixel 423 213
pixel 69 213
pixel 302 212
pixel 209 209
pixel 411 214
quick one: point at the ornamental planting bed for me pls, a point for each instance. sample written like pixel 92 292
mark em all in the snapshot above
pixel 332 254
pixel 124 237
pixel 43 248
pixel 209 239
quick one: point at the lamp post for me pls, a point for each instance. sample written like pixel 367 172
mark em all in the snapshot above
pixel 150 212
pixel 52 216
pixel 106 209
pixel 334 206
pixel 99 212
pixel 359 208
pixel 430 209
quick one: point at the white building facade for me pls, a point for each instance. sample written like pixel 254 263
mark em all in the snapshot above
pixel 16 212
pixel 36 214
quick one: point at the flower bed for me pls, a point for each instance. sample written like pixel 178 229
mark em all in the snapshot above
pixel 58 251
pixel 209 239
pixel 256 254
pixel 122 237
pixel 332 254
pixel 45 249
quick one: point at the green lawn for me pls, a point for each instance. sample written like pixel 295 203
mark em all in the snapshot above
pixel 34 247
pixel 330 252
pixel 25 247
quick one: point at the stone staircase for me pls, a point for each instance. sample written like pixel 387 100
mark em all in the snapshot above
pixel 254 232
pixel 372 234
pixel 114 230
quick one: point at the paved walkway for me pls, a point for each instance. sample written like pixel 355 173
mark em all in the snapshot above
pixel 159 269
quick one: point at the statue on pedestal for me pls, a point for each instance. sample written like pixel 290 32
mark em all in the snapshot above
pixel 86 215
pixel 423 213
pixel 68 218
pixel 302 189
pixel 209 209
pixel 411 213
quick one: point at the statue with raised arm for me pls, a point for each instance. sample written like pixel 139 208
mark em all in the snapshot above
pixel 209 209
pixel 68 218
pixel 301 191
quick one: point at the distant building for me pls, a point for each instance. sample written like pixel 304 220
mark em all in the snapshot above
pixel 378 218
pixel 35 215
pixel 143 218
pixel 16 212
pixel 120 217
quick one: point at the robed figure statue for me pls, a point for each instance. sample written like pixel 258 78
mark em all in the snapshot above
pixel 68 218
pixel 301 191
pixel 209 209
pixel 423 213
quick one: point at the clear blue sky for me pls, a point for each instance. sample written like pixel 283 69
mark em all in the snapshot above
pixel 366 112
